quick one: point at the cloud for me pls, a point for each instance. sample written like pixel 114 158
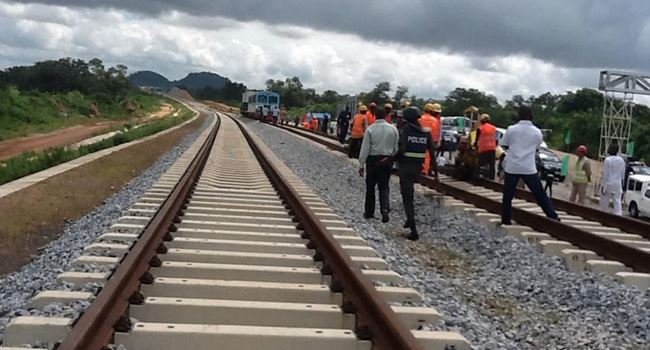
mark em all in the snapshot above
pixel 176 43
pixel 577 33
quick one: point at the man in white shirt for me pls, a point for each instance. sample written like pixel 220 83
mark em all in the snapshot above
pixel 611 186
pixel 379 145
pixel 522 140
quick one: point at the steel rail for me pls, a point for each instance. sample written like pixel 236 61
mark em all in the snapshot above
pixel 638 259
pixel 375 319
pixel 95 328
pixel 628 224
pixel 608 248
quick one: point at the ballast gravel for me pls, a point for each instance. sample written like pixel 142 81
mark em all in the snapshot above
pixel 497 291
pixel 16 289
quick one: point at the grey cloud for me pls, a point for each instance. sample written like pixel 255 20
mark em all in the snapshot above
pixel 577 33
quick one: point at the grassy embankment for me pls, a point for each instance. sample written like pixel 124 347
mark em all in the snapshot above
pixel 29 163
pixel 24 113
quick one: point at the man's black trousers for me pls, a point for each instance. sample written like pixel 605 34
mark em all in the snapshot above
pixel 409 175
pixel 489 158
pixel 377 175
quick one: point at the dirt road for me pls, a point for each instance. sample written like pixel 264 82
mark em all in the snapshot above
pixel 68 136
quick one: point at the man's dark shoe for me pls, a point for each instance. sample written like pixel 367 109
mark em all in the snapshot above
pixel 412 236
pixel 384 218
pixel 407 224
pixel 366 216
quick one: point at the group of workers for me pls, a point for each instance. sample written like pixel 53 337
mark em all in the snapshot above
pixel 311 122
pixel 381 137
pixel 272 115
pixel 378 144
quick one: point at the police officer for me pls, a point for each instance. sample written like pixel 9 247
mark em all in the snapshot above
pixel 413 146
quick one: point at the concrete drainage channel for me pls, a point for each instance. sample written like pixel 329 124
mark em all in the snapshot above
pixel 623 255
pixel 238 271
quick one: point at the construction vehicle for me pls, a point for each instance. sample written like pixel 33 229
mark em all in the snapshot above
pixel 466 166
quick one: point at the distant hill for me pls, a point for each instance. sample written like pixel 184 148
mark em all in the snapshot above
pixel 149 78
pixel 195 81
pixel 192 81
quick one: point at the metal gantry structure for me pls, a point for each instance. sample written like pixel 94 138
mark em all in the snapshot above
pixel 619 89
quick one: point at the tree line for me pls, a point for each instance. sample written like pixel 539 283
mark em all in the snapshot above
pixel 92 78
pixel 576 112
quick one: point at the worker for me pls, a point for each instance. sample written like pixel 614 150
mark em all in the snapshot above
pixel 581 176
pixel 427 123
pixel 283 115
pixel 486 144
pixel 414 143
pixel 399 114
pixel 276 115
pixel 313 125
pixel 342 124
pixel 357 129
pixel 378 148
pixel 611 182
pixel 372 108
pixel 325 124
pixel 388 108
pixel 522 141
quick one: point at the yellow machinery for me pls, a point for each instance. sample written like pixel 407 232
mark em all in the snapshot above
pixel 466 166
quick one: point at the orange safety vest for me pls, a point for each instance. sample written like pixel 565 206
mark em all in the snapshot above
pixel 487 140
pixel 358 126
pixel 435 130
pixel 314 124
pixel 427 123
pixel 371 118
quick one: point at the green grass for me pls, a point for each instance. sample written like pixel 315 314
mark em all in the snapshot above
pixel 24 113
pixel 29 163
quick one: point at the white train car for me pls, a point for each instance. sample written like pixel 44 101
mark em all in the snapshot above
pixel 258 102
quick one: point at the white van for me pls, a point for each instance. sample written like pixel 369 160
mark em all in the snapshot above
pixel 638 195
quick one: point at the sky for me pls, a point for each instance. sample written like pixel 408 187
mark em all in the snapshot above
pixel 502 47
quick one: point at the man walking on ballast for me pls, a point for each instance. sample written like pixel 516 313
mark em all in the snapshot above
pixel 414 145
pixel 377 150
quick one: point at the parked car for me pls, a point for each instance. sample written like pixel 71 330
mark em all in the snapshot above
pixel 550 164
pixel 638 195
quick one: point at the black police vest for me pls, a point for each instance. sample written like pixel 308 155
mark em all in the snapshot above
pixel 416 144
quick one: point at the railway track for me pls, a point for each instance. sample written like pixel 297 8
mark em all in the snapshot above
pixel 587 239
pixel 231 250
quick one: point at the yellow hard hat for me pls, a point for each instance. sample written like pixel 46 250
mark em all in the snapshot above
pixel 485 116
pixel 499 152
pixel 405 104
pixel 437 107
pixel 388 105
pixel 363 108
pixel 471 109
pixel 429 107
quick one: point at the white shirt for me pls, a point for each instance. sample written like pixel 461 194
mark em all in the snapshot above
pixel 523 139
pixel 613 171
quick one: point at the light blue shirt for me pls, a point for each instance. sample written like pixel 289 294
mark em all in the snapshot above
pixel 380 139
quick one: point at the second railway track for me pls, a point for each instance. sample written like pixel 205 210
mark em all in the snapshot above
pixel 594 240
pixel 238 254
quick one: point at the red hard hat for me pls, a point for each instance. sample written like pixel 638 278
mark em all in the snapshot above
pixel 372 104
pixel 582 149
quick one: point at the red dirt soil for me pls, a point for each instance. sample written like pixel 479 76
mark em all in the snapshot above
pixel 41 142
pixel 68 136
